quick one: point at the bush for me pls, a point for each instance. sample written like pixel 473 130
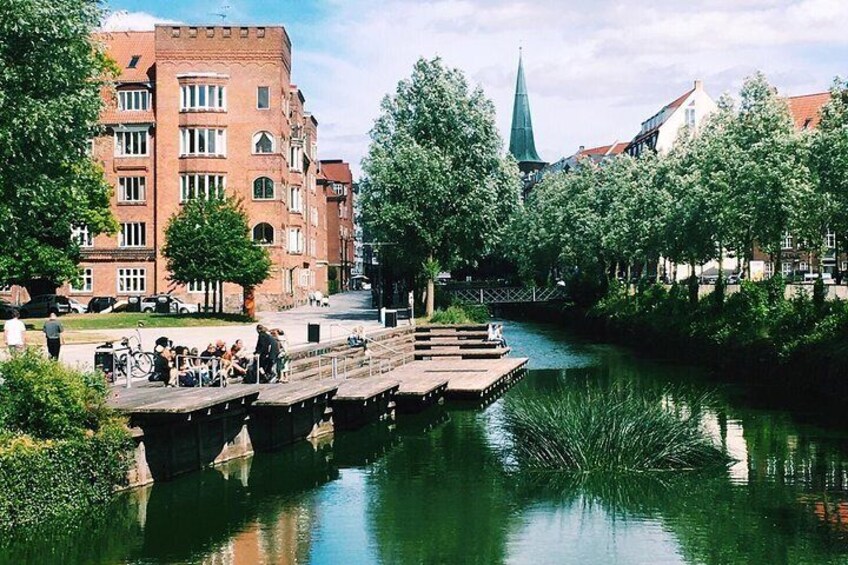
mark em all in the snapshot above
pixel 589 428
pixel 41 481
pixel 62 450
pixel 48 400
pixel 461 314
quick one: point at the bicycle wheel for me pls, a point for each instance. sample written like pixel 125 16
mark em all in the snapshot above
pixel 120 367
pixel 142 364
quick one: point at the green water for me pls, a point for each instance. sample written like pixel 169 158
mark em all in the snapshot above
pixel 432 489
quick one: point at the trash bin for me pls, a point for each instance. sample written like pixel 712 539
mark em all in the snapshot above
pixel 313 333
pixel 391 318
pixel 104 359
pixel 163 304
pixel 134 304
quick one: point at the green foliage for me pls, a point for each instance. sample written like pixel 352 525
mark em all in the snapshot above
pixel 210 240
pixel 461 314
pixel 62 451
pixel 590 428
pixel 48 182
pixel 435 181
pixel 747 178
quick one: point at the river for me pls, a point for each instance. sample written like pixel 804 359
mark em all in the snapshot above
pixel 432 489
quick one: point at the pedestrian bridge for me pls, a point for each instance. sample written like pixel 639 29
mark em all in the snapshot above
pixel 506 294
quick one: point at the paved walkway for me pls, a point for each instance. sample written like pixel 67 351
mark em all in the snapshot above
pixel 344 313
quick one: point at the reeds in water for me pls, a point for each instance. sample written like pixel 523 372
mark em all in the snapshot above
pixel 588 428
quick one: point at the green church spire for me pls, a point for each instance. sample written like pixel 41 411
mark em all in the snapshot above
pixel 521 143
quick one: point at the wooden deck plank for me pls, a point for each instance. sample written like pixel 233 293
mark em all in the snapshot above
pixel 451 334
pixel 495 353
pixel 421 384
pixel 288 394
pixel 177 400
pixel 364 388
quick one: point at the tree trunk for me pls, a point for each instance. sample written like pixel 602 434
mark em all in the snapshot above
pixel 214 297
pixel 206 296
pixel 249 307
pixel 838 273
pixel 431 297
pixel 220 297
pixel 778 263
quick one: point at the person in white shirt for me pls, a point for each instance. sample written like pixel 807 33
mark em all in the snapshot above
pixel 14 331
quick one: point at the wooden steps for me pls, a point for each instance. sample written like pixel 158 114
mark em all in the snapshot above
pixel 462 353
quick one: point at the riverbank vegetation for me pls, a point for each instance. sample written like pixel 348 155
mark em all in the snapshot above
pixel 62 450
pixel 590 428
pixel 460 314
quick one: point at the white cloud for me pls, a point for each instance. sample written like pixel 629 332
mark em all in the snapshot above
pixel 131 21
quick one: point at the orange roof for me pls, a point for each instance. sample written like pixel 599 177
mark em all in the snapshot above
pixel 678 101
pixel 337 170
pixel 604 150
pixel 123 46
pixel 806 109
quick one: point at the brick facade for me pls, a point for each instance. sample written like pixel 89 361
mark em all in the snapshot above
pixel 338 187
pixel 214 105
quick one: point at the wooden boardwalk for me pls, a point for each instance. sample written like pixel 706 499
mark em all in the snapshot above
pixel 362 400
pixel 291 394
pixel 467 378
pixel 161 400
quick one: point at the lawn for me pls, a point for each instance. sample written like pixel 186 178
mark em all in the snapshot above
pixel 123 320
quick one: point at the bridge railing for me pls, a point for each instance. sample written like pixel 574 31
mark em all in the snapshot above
pixel 506 294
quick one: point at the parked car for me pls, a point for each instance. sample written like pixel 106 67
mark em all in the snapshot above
pixel 100 303
pixel 6 310
pixel 734 278
pixel 148 304
pixel 77 307
pixel 41 306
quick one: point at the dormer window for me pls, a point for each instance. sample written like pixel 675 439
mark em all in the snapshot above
pixel 134 61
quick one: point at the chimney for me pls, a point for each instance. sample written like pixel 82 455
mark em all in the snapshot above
pixel 582 147
pixel 699 85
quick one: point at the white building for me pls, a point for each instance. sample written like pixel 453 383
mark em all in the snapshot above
pixel 660 131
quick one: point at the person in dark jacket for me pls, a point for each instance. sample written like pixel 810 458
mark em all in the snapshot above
pixel 267 349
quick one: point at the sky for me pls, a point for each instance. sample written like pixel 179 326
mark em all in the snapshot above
pixel 595 69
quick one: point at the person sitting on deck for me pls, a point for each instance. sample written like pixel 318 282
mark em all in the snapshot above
pixel 491 333
pixel 163 367
pixel 357 338
pixel 499 337
pixel 233 363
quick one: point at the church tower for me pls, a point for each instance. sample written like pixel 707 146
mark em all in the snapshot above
pixel 521 142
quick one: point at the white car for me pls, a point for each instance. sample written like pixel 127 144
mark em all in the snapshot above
pixel 148 304
pixel 76 307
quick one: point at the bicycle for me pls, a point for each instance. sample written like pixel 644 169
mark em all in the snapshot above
pixel 142 361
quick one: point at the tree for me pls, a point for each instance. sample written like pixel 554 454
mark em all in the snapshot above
pixel 209 240
pixel 436 183
pixel 829 162
pixel 50 101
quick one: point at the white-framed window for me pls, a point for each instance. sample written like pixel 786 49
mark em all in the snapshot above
pixel 132 280
pixel 769 270
pixel 830 240
pixel 314 150
pixel 313 215
pixel 199 287
pixel 844 266
pixel 86 280
pixel 787 268
pixel 263 97
pixel 133 100
pixel 787 241
pixel 263 189
pixel 304 278
pixel 296 199
pixel 690 117
pixel 82 236
pixel 339 188
pixel 263 233
pixel 263 142
pixel 313 248
pixel 133 234
pixel 208 97
pixel 131 142
pixel 803 266
pixel 5 288
pixel 131 189
pixel 202 185
pixel 310 182
pixel 295 240
pixel 288 281
pixel 296 158
pixel 203 141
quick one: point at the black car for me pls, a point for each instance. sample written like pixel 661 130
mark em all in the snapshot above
pixel 100 303
pixel 41 306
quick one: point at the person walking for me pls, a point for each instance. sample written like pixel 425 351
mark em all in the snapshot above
pixel 54 332
pixel 14 331
pixel 267 350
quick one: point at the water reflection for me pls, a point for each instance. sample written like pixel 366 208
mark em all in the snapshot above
pixel 433 489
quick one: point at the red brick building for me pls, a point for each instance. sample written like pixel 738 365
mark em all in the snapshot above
pixel 197 111
pixel 338 187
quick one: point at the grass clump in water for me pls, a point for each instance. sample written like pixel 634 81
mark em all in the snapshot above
pixel 589 428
